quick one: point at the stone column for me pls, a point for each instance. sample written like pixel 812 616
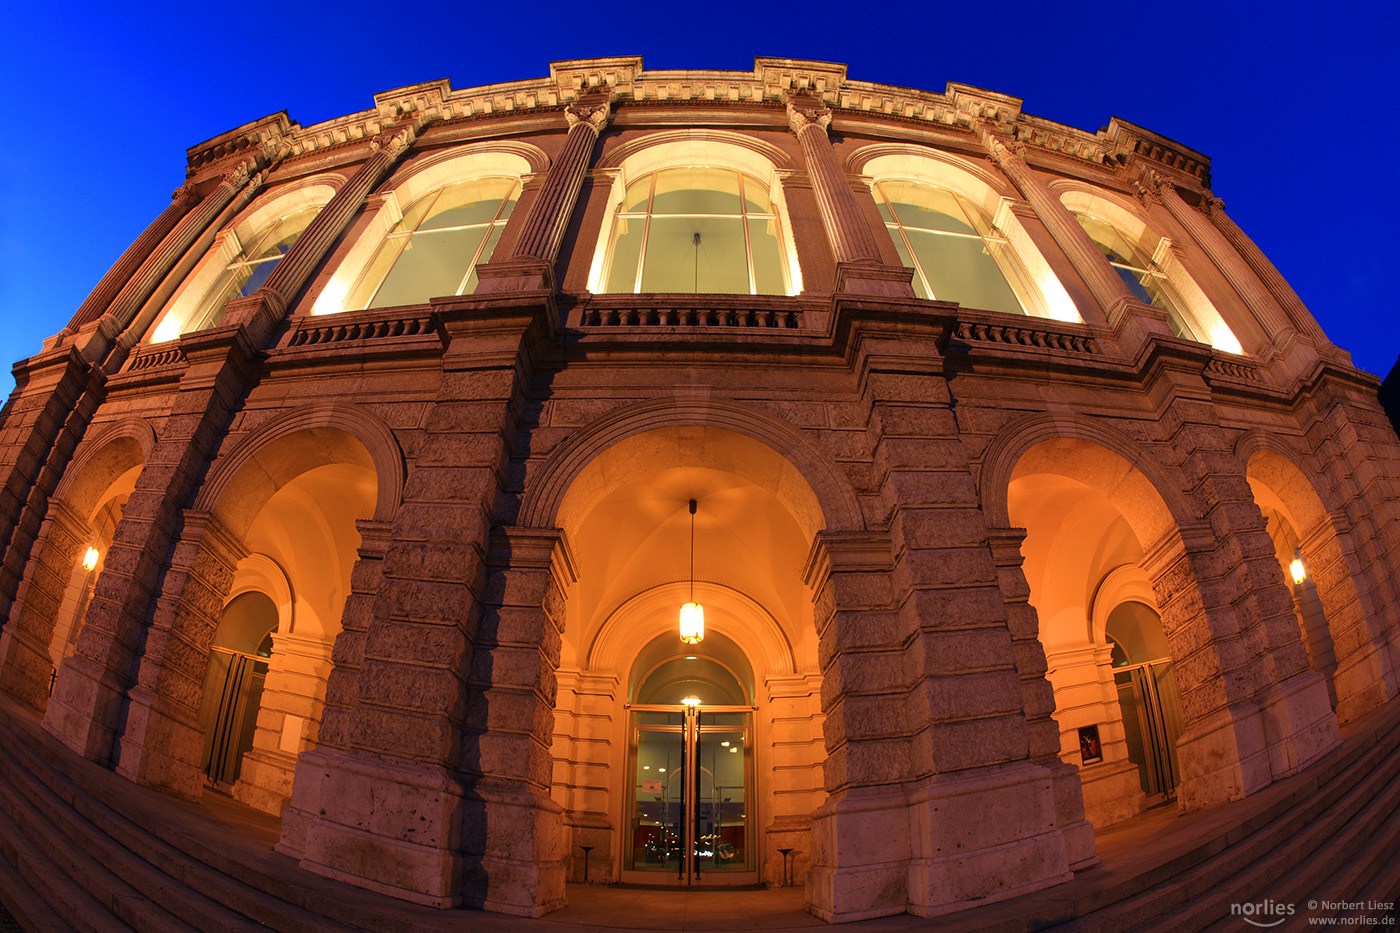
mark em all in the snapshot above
pixel 1298 314
pixel 1104 284
pixel 859 268
pixel 264 309
pixel 554 205
pixel 88 699
pixel 136 254
pixel 1271 320
pixel 388 809
pixel 1254 710
pixel 25 663
pixel 794 703
pixel 531 263
pixel 513 834
pixel 288 720
pixel 930 779
pixel 585 732
pixel 147 278
pixel 162 742
pixel 1039 696
pixel 65 407
pixel 56 394
pixel 343 681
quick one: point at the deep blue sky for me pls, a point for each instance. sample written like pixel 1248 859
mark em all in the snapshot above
pixel 1292 103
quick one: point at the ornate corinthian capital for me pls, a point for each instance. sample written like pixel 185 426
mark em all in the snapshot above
pixel 596 112
pixel 804 112
pixel 1149 188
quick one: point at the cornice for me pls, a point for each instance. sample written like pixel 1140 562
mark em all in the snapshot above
pixel 622 80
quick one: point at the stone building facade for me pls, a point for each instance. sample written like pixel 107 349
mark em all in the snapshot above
pixel 359 488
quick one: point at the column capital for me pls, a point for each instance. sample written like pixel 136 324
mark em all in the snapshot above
pixel 803 112
pixel 594 111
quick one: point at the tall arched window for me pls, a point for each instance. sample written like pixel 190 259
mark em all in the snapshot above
pixel 240 277
pixel 955 251
pixel 693 230
pixel 435 248
pixel 1144 278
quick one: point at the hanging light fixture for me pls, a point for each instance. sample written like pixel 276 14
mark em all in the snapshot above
pixel 1297 568
pixel 692 614
pixel 90 558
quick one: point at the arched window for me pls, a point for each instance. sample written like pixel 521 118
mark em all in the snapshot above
pixel 955 251
pixel 1144 278
pixel 694 230
pixel 436 246
pixel 244 274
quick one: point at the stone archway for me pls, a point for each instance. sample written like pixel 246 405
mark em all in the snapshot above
pixel 47 615
pixel 1232 744
pixel 291 492
pixel 625 517
pixel 1339 626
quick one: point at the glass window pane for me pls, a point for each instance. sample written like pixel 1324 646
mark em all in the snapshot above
pixel 920 290
pixel 255 274
pixel 767 258
pixel 431 265
pixel 471 202
pixel 926 208
pixel 637 195
pixel 696 254
pixel 959 269
pixel 1112 243
pixel 1131 279
pixel 756 200
pixel 627 247
pixel 696 191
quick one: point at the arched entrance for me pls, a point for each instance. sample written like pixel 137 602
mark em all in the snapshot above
pixel 1147 697
pixel 233 684
pixel 1090 517
pixel 717 816
pixel 691 806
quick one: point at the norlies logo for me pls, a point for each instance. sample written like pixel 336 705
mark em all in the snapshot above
pixel 1266 913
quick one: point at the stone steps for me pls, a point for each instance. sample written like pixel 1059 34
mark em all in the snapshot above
pixel 86 850
pixel 1315 835
pixel 96 869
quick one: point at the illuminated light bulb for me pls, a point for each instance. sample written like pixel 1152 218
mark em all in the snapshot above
pixel 90 558
pixel 1298 570
pixel 691 701
pixel 724 744
pixel 692 623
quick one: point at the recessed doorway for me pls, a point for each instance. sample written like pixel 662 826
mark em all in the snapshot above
pixel 690 796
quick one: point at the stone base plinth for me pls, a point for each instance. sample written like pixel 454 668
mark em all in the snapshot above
pixel 984 837
pixel 390 827
pixel 952 842
pixel 515 850
pixel 82 713
pixel 1300 725
pixel 159 749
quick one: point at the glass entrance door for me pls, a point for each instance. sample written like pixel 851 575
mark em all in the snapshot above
pixel 1151 724
pixel 690 800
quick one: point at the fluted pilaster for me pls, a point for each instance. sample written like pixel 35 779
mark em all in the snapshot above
pixel 549 215
pixel 851 240
pixel 1224 256
pixel 287 280
pixel 138 252
pixel 1105 286
pixel 1277 285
